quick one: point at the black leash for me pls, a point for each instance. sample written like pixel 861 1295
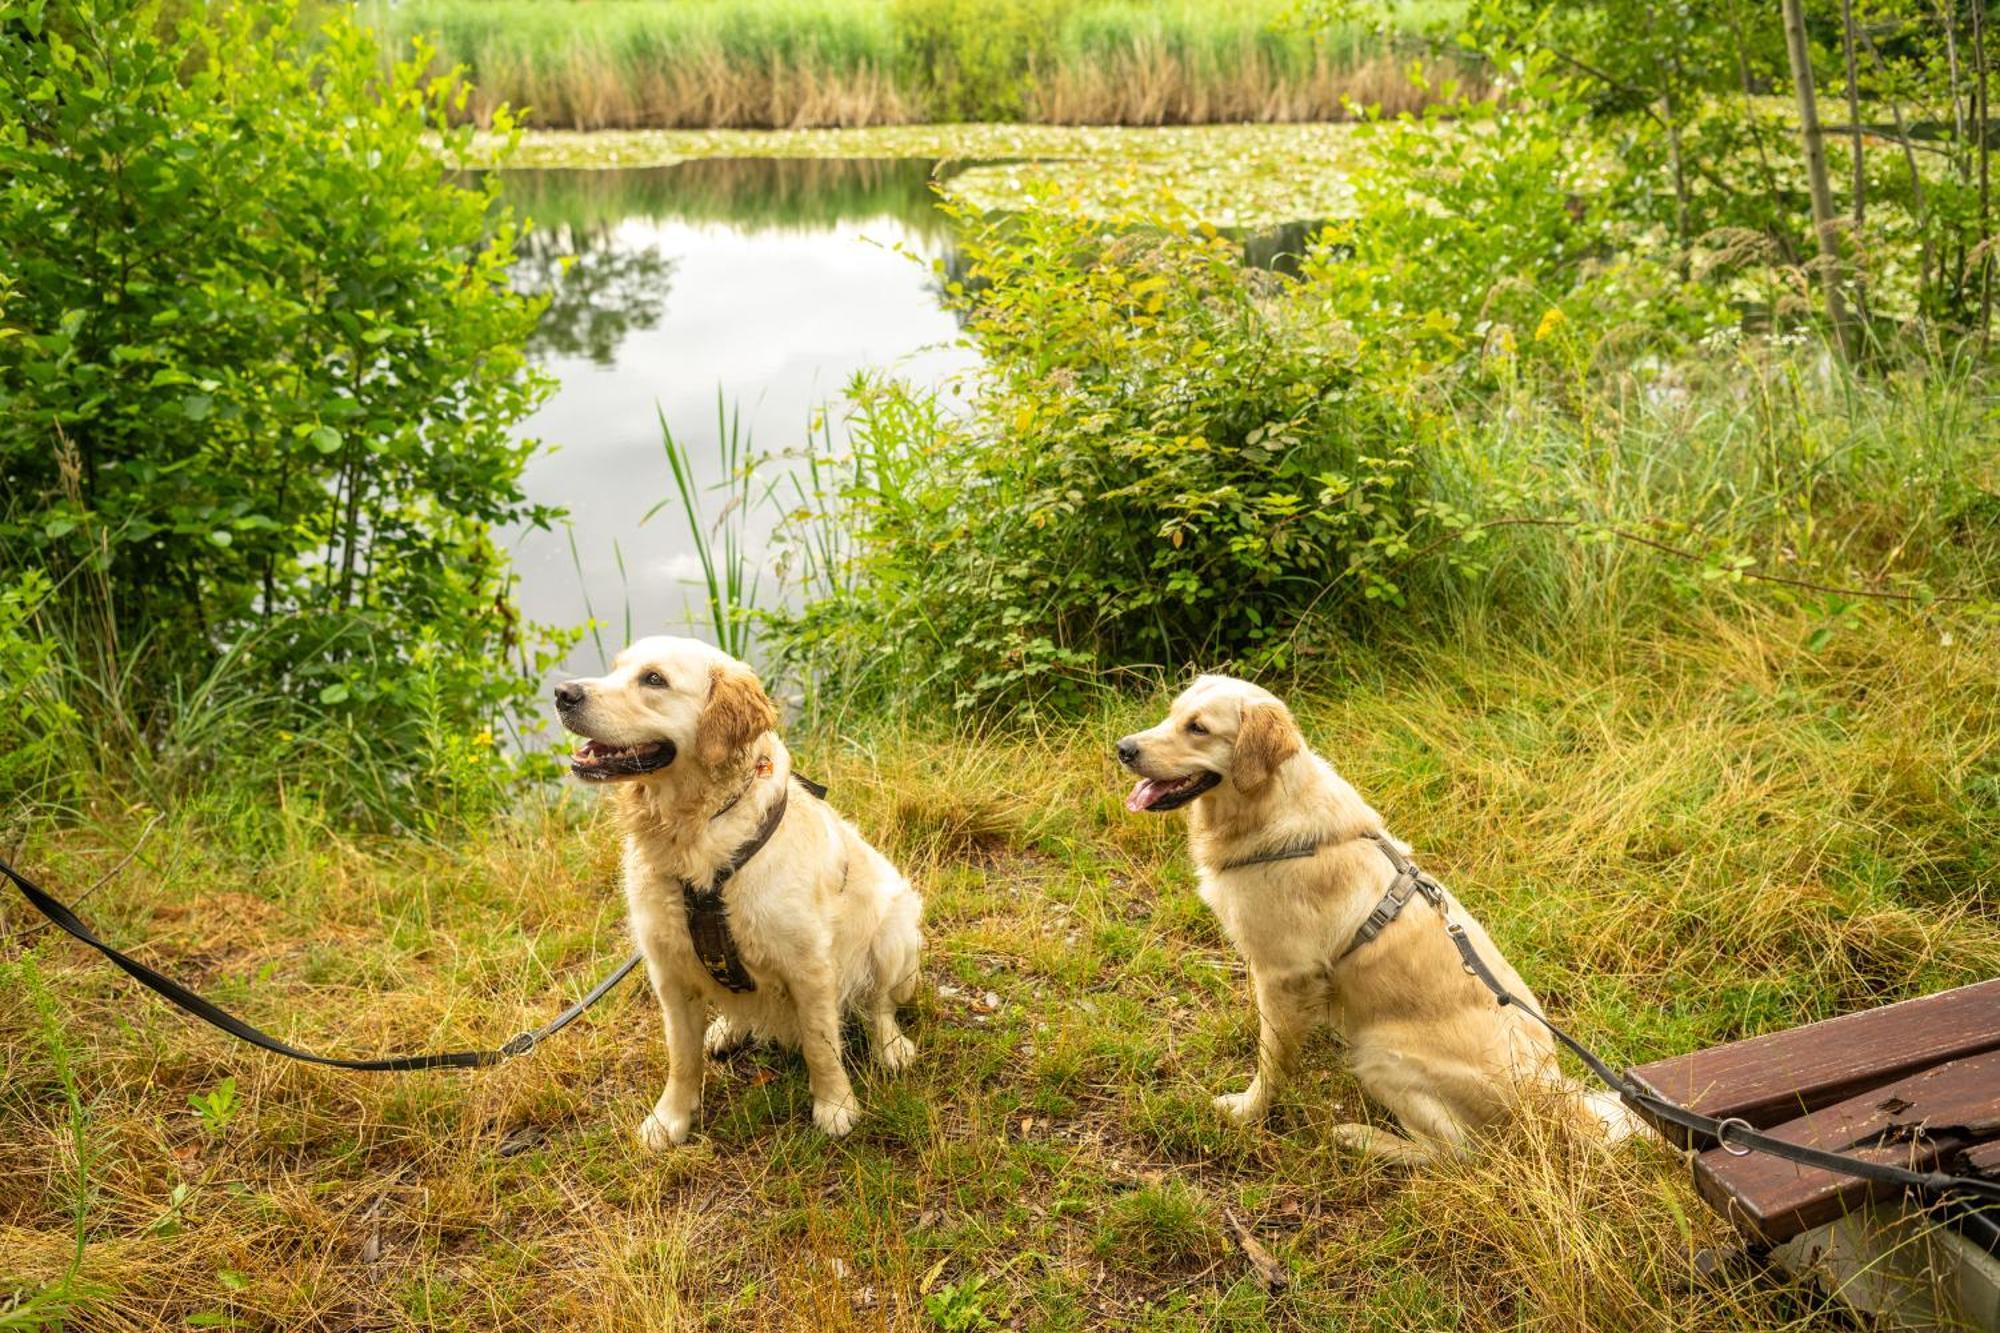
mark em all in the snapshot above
pixel 209 1012
pixel 1734 1134
pixel 216 1016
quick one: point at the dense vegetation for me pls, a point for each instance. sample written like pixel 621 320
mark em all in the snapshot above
pixel 1612 486
pixel 1524 362
pixel 788 63
pixel 258 384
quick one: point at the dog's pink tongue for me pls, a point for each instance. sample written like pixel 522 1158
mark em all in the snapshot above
pixel 1143 795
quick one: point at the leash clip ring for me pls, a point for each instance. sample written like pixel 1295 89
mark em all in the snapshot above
pixel 1457 933
pixel 519 1044
pixel 1722 1135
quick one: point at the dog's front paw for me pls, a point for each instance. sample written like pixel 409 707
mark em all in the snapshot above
pixel 835 1118
pixel 662 1130
pixel 896 1053
pixel 1242 1108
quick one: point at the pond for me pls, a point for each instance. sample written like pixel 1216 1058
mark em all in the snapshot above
pixel 727 297
pixel 721 295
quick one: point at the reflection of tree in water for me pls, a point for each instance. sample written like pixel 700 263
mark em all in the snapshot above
pixel 611 288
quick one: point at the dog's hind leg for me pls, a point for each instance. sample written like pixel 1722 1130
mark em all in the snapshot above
pixel 893 1050
pixel 1432 1129
pixel 1380 1145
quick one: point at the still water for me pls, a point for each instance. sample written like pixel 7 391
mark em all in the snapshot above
pixel 757 285
pixel 760 284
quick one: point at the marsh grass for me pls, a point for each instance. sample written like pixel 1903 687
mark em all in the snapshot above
pixel 731 579
pixel 1723 827
pixel 786 64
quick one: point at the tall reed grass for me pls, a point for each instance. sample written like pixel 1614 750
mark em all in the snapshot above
pixel 799 63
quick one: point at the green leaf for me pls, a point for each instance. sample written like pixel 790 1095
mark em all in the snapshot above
pixel 325 439
pixel 333 693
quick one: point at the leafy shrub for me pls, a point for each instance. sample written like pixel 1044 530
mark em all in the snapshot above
pixel 35 720
pixel 1169 460
pixel 1495 385
pixel 264 362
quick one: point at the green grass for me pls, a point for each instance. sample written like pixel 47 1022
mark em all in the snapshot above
pixel 1731 825
pixel 792 63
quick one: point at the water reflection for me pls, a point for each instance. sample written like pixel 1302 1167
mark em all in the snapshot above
pixel 599 291
pixel 764 283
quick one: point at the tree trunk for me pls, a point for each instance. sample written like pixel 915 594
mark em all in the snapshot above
pixel 1859 189
pixel 1824 224
pixel 1985 191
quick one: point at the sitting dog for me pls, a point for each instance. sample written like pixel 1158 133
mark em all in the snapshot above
pixel 1293 862
pixel 747 892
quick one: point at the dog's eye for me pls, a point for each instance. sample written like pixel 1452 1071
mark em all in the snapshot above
pixel 654 679
pixel 1195 728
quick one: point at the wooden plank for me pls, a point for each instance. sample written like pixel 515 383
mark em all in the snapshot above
pixel 1984 1160
pixel 1776 1077
pixel 1911 1122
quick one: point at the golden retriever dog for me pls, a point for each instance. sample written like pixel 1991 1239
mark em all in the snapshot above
pixel 685 738
pixel 1426 1040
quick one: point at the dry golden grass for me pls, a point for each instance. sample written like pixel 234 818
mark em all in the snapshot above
pixel 1148 83
pixel 1679 839
pixel 793 64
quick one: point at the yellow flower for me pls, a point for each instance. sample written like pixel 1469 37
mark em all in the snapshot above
pixel 1552 320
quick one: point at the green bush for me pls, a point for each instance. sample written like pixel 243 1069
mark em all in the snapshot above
pixel 1494 390
pixel 35 720
pixel 262 366
pixel 1170 460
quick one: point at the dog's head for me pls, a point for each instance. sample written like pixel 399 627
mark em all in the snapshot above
pixel 664 699
pixel 1219 730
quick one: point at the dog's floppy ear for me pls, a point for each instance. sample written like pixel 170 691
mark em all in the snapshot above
pixel 1266 738
pixel 738 712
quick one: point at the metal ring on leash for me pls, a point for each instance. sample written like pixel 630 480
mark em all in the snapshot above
pixel 1722 1135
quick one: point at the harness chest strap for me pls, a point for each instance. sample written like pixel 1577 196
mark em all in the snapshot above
pixel 1409 881
pixel 708 917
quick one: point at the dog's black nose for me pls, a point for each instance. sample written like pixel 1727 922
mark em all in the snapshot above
pixel 1128 751
pixel 569 694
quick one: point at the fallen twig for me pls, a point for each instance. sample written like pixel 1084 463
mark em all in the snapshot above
pixel 1271 1274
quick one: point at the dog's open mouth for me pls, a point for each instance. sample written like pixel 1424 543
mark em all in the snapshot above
pixel 596 761
pixel 1169 793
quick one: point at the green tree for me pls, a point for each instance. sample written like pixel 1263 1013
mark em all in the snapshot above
pixel 261 363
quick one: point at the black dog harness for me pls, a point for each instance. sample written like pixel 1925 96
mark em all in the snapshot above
pixel 708 916
pixel 1409 881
